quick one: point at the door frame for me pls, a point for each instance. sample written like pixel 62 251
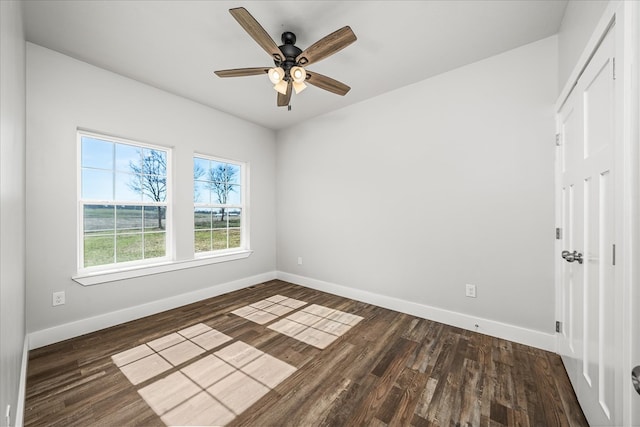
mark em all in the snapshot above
pixel 631 144
pixel 626 15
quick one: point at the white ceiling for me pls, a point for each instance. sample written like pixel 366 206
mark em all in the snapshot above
pixel 176 45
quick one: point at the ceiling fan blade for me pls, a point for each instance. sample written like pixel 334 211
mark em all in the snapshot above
pixel 283 100
pixel 241 72
pixel 326 46
pixel 256 31
pixel 327 83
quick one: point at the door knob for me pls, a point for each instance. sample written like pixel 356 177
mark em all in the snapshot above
pixel 572 256
pixel 635 378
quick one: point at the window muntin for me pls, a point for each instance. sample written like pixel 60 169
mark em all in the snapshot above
pixel 123 202
pixel 218 195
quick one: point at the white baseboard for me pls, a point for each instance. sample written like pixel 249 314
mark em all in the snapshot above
pixel 74 329
pixel 506 331
pixel 22 386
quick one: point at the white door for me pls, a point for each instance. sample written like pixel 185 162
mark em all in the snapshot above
pixel 635 357
pixel 633 317
pixel 590 338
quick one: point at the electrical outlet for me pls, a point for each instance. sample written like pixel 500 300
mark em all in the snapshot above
pixel 58 298
pixel 299 260
pixel 470 291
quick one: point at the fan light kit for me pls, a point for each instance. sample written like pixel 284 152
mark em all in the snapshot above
pixel 289 73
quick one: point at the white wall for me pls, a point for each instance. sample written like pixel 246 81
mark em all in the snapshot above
pixel 419 191
pixel 12 205
pixel 64 94
pixel 578 23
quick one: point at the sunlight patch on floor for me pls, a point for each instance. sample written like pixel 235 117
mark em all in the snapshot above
pixel 210 391
pixel 316 325
pixel 217 388
pixel 269 309
pixel 146 361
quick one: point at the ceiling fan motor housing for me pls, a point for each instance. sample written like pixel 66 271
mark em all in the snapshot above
pixel 290 53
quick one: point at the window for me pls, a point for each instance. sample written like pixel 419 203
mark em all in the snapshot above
pixel 123 202
pixel 219 211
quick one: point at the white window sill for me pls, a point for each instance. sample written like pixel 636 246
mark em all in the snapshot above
pixel 96 278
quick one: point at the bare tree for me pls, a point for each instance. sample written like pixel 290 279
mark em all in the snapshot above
pixel 150 179
pixel 220 179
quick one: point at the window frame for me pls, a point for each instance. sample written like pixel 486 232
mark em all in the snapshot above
pixel 115 267
pixel 243 179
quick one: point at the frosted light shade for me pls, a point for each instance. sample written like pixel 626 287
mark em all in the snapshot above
pixel 299 86
pixel 281 87
pixel 276 75
pixel 299 75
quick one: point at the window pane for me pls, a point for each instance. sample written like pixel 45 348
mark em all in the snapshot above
pixel 234 217
pixel 156 161
pixel 233 174
pixel 220 217
pixel 129 219
pixel 99 219
pixel 222 193
pixel 128 247
pixel 203 240
pixel 98 250
pixel 122 176
pixel 128 158
pixel 218 194
pixel 155 218
pixel 224 172
pixel 234 238
pixel 200 192
pixel 154 188
pixel 234 195
pixel 97 184
pixel 200 168
pixel 202 218
pixel 217 172
pixel 97 153
pixel 219 239
pixel 154 245
pixel 221 185
pixel 128 187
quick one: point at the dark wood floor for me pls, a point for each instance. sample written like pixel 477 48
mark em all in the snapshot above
pixel 390 369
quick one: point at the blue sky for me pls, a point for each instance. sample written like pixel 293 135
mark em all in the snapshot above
pixel 106 171
pixel 107 174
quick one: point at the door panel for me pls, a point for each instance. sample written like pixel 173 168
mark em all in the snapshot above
pixel 590 344
pixel 570 118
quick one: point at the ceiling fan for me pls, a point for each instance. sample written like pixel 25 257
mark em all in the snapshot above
pixel 290 61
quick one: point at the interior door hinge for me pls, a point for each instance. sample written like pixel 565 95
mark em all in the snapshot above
pixel 558 326
pixel 613 255
pixel 557 139
pixel 558 233
pixel 614 68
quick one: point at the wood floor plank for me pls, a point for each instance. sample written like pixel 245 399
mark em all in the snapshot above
pixel 390 369
pixel 411 391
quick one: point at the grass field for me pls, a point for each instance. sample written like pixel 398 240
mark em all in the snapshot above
pixel 100 249
pixel 215 230
pixel 114 234
pixel 211 240
pixel 204 219
pixel 123 219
